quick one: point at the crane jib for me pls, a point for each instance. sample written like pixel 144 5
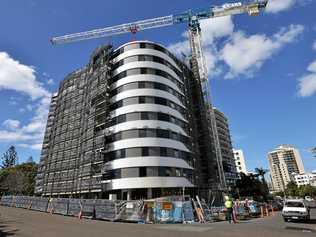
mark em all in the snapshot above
pixel 186 17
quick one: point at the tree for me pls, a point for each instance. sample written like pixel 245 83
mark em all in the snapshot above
pixel 261 172
pixel 9 158
pixel 251 186
pixel 18 180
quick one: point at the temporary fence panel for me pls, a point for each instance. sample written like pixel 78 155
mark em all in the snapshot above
pixel 58 206
pixel 87 208
pixel 131 211
pixel 149 211
pixel 39 204
pixel 6 200
pixel 105 209
pixel 24 202
pixel 74 207
pixel 163 212
pixel 188 211
pixel 177 212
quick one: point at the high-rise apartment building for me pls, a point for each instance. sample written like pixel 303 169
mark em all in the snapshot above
pixel 228 161
pixel 284 161
pixel 130 123
pixel 240 161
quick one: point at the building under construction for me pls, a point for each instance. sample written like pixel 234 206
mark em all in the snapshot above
pixel 133 122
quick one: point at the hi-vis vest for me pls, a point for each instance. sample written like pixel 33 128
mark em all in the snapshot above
pixel 229 204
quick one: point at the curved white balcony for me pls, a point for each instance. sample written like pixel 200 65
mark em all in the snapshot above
pixel 153 52
pixel 146 92
pixel 139 124
pixel 145 64
pixel 148 161
pixel 147 142
pixel 147 108
pixel 146 77
pixel 148 182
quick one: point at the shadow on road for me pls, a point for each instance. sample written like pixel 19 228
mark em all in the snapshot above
pixel 4 232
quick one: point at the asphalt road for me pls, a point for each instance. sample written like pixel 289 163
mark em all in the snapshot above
pixel 25 223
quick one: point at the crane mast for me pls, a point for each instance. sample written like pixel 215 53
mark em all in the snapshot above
pixel 198 61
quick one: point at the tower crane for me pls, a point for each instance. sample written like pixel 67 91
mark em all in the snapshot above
pixel 198 62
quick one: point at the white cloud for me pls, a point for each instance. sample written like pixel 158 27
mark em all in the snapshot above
pixel 241 53
pixel 212 30
pixel 314 45
pixel 50 81
pixel 244 54
pixel 312 67
pixel 11 124
pixel 33 146
pixel 216 28
pixel 275 6
pixel 33 131
pixel 22 79
pixel 307 83
pixel 19 77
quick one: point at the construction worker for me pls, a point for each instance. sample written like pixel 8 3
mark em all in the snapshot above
pixel 229 209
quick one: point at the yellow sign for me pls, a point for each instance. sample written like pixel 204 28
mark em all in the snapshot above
pixel 167 206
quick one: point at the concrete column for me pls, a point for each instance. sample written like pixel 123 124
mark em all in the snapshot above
pixel 149 193
pixel 129 195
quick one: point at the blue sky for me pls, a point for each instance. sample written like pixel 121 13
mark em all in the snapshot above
pixel 262 69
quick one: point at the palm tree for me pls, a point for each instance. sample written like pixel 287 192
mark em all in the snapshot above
pixel 261 172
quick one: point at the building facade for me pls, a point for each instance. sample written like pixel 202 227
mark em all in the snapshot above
pixel 284 161
pixel 127 124
pixel 229 166
pixel 240 161
pixel 305 179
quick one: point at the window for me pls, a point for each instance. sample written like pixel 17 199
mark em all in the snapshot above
pixel 142 172
pixel 133 152
pixel 154 151
pixel 130 173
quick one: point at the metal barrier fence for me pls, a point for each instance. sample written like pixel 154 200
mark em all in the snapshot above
pixel 161 210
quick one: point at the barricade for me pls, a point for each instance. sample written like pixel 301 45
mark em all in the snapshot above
pixel 163 212
pixel 131 211
pixel 39 204
pixel 23 202
pixel 149 211
pixel 74 207
pixel 188 211
pixel 87 208
pixel 6 200
pixel 105 209
pixel 58 206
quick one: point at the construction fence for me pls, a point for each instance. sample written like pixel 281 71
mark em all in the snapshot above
pixel 162 210
pixel 174 209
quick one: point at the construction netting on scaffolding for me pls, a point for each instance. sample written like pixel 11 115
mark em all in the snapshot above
pixel 174 209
